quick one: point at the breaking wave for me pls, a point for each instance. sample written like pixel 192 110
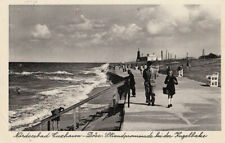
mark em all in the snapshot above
pixel 58 96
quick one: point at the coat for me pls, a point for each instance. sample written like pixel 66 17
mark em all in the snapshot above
pixel 132 81
pixel 171 81
pixel 149 77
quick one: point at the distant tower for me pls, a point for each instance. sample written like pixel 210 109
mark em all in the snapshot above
pixel 175 56
pixel 161 55
pixel 187 54
pixel 138 55
pixel 166 54
pixel 203 54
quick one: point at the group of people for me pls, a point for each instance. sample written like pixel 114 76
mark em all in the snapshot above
pixel 150 83
pixel 126 67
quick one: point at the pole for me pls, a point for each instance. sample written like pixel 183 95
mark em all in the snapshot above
pixel 74 119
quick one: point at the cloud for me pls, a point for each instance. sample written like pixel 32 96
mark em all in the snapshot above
pixel 124 32
pixel 84 23
pixel 88 24
pixel 157 27
pixel 115 35
pixel 81 27
pixel 169 19
pixel 79 35
pixel 211 11
pixel 99 38
pixel 41 32
pixel 60 35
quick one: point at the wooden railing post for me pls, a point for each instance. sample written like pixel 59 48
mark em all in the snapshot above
pixel 79 116
pixel 40 126
pixel 58 125
pixel 49 125
pixel 74 119
pixel 53 125
pixel 114 104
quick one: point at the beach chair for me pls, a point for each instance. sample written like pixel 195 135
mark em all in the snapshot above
pixel 213 80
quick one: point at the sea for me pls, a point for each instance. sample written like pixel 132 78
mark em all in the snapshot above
pixel 37 88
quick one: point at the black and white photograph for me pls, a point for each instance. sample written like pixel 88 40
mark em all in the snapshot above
pixel 114 67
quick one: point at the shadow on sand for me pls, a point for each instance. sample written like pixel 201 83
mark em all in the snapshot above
pixel 205 85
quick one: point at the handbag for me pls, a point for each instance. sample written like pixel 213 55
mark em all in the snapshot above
pixel 165 90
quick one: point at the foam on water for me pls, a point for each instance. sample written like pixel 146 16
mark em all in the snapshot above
pixel 60 78
pixel 59 72
pixel 39 72
pixel 58 97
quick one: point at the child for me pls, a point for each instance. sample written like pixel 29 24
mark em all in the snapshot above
pixel 170 80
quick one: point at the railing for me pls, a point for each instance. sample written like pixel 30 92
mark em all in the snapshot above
pixel 74 112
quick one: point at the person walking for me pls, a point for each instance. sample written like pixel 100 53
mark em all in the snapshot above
pixel 170 80
pixel 140 69
pixel 132 82
pixel 149 84
pixel 167 70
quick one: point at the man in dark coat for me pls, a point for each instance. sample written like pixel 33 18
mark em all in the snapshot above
pixel 132 82
pixel 149 83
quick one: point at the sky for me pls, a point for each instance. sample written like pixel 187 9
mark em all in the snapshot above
pixel 111 33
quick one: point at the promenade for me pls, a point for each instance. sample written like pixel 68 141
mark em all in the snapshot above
pixel 195 107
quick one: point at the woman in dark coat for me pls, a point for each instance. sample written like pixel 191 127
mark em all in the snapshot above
pixel 132 82
pixel 170 80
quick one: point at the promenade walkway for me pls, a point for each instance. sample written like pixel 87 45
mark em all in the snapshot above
pixel 195 107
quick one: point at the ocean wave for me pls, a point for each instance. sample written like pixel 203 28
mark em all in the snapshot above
pixel 87 73
pixel 76 79
pixel 12 113
pixel 59 72
pixel 23 73
pixel 39 72
pixel 57 97
pixel 51 92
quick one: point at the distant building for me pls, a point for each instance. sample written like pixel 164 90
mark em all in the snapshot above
pixel 149 57
pixel 209 56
